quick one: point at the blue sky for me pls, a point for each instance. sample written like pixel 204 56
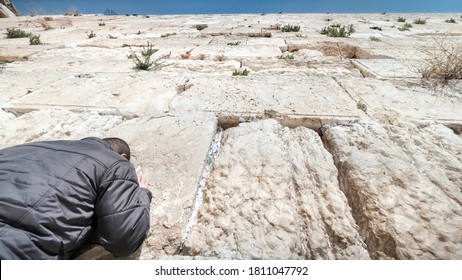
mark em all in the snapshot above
pixel 239 6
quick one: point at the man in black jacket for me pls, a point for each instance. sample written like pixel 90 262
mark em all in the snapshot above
pixel 56 196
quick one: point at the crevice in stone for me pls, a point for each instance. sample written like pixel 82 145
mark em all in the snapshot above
pixel 13 112
pixel 313 122
pixel 363 70
pixel 342 177
pixel 11 59
pixel 336 49
pixel 457 128
pixel 199 197
pixel 360 104
pixel 19 111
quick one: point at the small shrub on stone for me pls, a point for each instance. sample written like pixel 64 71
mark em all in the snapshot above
pixel 145 63
pixel 451 20
pixel 243 72
pixel 420 21
pixel 167 35
pixel 374 39
pixel 406 27
pixel 361 106
pixel 35 40
pixel 13 33
pixel 290 28
pixel 376 28
pixel 337 30
pixel 401 19
pixel 443 64
pixel 237 43
pixel 288 56
pixel 201 26
pixel 91 35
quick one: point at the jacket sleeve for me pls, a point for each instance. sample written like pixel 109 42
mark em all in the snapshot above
pixel 122 211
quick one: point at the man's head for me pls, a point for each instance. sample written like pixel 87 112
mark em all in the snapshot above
pixel 119 146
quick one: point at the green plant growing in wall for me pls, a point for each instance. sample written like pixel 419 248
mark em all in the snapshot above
pixel 406 27
pixel 288 56
pixel 201 26
pixel 237 43
pixel 290 28
pixel 361 106
pixel 420 21
pixel 338 30
pixel 91 35
pixel 13 33
pixel 239 72
pixel 144 62
pixel 35 40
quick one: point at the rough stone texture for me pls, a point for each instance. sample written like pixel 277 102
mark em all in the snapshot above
pixel 52 124
pixel 393 101
pixel 171 151
pixel 285 95
pixel 404 185
pixel 273 194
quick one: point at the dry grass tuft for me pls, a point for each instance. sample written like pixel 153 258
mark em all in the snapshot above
pixel 442 64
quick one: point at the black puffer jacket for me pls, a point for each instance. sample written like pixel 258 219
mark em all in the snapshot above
pixel 56 196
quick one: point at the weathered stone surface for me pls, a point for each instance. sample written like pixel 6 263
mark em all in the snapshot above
pixel 394 101
pixel 404 186
pixel 171 151
pixel 273 194
pixel 52 124
pixel 388 68
pixel 132 94
pixel 284 95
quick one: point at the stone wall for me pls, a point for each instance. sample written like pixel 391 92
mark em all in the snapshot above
pixel 7 9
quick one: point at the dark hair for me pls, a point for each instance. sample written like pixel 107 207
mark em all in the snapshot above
pixel 119 146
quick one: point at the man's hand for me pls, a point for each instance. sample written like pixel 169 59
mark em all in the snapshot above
pixel 142 181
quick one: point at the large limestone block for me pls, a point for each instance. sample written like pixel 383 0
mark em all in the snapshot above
pixel 240 51
pixel 319 96
pixel 389 68
pixel 15 84
pixel 391 101
pixel 273 194
pixel 171 152
pixel 404 186
pixel 52 124
pixel 134 93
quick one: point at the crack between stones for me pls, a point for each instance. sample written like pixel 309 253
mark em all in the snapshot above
pixel 341 184
pixel 199 197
